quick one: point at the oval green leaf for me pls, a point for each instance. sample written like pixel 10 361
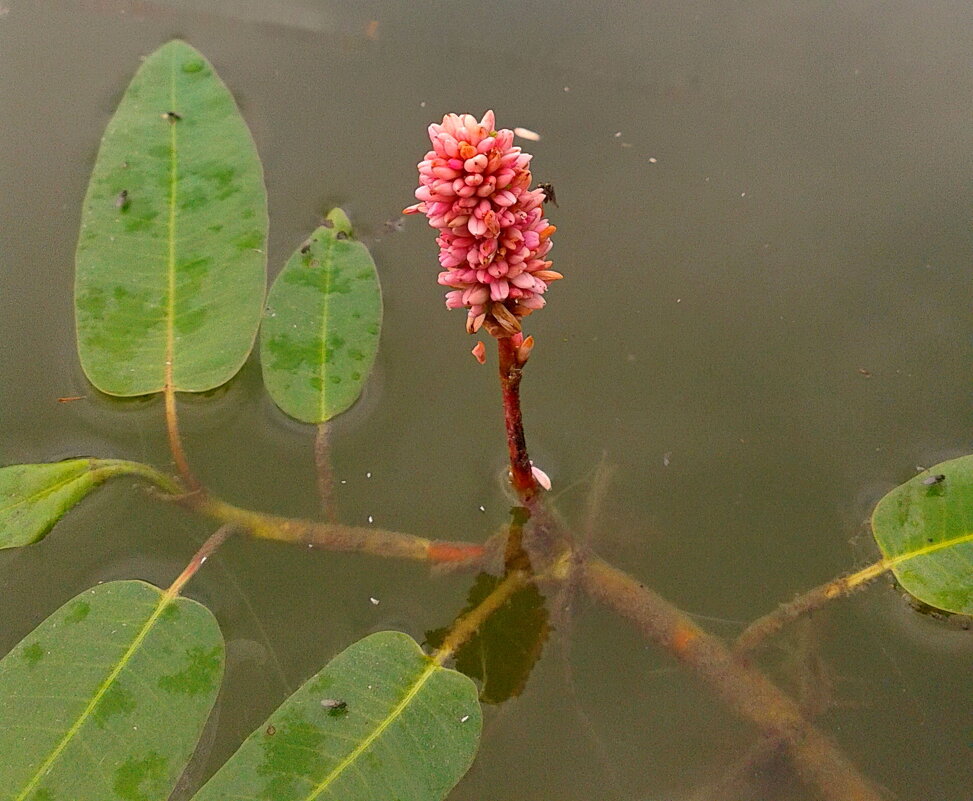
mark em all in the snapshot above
pixel 925 531
pixel 321 328
pixel 33 497
pixel 381 721
pixel 106 699
pixel 171 264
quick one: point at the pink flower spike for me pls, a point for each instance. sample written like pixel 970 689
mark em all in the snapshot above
pixel 474 188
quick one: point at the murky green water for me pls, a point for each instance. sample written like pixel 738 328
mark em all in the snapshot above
pixel 764 224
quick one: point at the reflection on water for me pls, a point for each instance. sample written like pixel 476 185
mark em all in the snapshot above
pixel 763 224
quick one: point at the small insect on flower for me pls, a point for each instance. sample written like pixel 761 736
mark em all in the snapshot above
pixel 929 481
pixel 548 190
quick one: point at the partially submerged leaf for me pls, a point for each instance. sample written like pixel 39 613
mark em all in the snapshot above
pixel 171 264
pixel 105 700
pixel 33 497
pixel 381 721
pixel 502 653
pixel 925 530
pixel 321 328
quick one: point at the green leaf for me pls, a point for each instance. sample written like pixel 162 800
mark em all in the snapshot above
pixel 33 497
pixel 321 328
pixel 171 263
pixel 502 653
pixel 925 530
pixel 381 721
pixel 106 699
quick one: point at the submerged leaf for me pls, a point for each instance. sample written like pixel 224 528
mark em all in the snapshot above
pixel 171 265
pixel 33 497
pixel 503 652
pixel 925 530
pixel 105 700
pixel 321 328
pixel 381 721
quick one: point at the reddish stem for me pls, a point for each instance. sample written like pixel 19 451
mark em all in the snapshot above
pixel 510 373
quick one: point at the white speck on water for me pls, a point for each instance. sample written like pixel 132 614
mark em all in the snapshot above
pixel 665 458
pixel 344 481
pixel 678 300
pixel 464 718
pixel 653 160
pixel 375 601
pixel 567 88
pixel 482 509
pixel 201 561
pixel 422 104
pixel 368 475
pixel 371 519
pixel 743 194
pixel 618 134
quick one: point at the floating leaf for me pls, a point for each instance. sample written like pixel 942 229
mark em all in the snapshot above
pixel 171 264
pixel 925 530
pixel 381 721
pixel 33 497
pixel 502 653
pixel 105 700
pixel 321 328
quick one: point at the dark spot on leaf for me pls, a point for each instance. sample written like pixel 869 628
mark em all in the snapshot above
pixel 33 654
pixel 292 754
pixel 199 676
pixel 79 611
pixel 250 240
pixel 144 779
pixel 116 701
pixel 170 613
pixel 139 222
pixel 191 321
pixel 192 198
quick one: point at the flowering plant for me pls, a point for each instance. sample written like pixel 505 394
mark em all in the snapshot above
pixel 474 187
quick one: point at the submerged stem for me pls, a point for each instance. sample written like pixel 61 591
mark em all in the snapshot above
pixel 745 689
pixel 806 602
pixel 216 539
pixel 470 623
